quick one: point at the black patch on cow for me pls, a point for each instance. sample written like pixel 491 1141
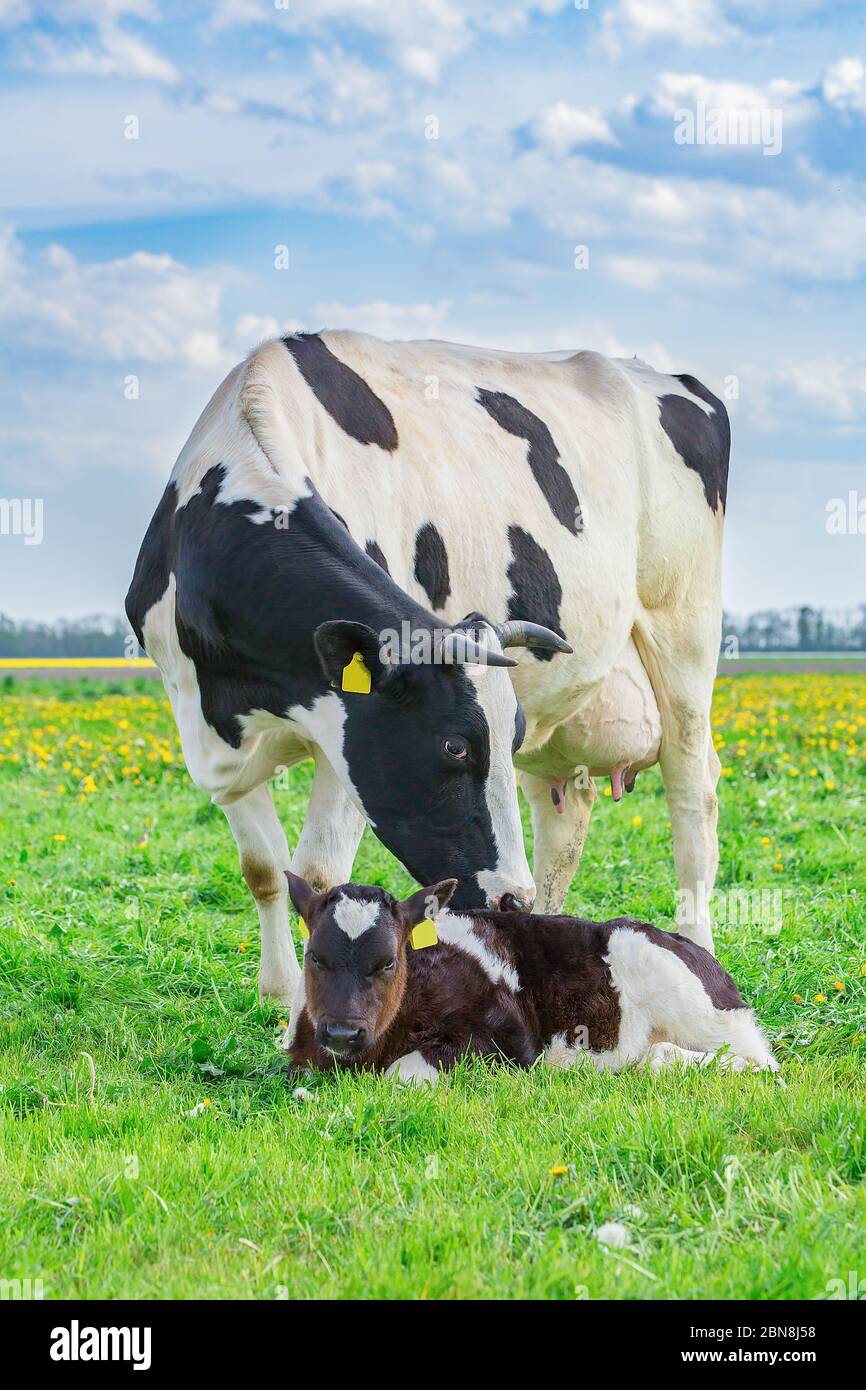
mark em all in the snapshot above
pixel 536 591
pixel 152 570
pixel 376 553
pixel 702 441
pixel 250 598
pixel 343 393
pixel 542 456
pixel 431 564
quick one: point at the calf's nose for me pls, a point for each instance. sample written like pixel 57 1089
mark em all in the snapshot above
pixel 343 1037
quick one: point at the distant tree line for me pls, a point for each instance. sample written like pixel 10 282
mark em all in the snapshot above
pixel 798 630
pixel 95 636
pixel 773 630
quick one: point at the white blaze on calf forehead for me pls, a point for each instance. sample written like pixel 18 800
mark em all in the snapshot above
pixel 354 916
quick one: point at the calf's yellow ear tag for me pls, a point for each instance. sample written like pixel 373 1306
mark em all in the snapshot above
pixel 303 929
pixel 424 935
pixel 356 677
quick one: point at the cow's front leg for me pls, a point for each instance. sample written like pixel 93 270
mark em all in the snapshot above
pixel 328 843
pixel 264 857
pixel 560 820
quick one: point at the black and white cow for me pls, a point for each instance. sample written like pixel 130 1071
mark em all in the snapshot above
pixel 338 479
pixel 255 602
pixel 504 985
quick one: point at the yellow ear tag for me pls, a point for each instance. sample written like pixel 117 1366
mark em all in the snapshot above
pixel 356 677
pixel 424 935
pixel 303 929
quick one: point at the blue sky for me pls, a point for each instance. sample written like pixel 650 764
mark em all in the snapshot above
pixel 309 125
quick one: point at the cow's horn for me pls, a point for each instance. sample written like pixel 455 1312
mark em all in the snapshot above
pixel 523 634
pixel 459 649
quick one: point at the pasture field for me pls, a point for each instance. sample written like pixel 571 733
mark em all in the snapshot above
pixel 151 1147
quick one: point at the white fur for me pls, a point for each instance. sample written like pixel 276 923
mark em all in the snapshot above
pixel 413 1070
pixel 560 1052
pixel 354 916
pixel 663 1001
pixel 495 695
pixel 458 931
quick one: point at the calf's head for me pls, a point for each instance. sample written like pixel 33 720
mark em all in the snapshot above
pixel 426 752
pixel 355 964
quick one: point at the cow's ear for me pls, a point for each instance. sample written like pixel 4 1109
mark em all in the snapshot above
pixel 427 902
pixel 304 898
pixel 349 653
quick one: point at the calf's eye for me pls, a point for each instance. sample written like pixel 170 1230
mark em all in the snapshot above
pixel 455 747
pixel 389 967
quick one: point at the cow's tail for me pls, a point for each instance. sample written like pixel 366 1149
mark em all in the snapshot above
pixel 274 411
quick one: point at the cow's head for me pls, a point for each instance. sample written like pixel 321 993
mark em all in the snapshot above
pixel 355 965
pixel 427 754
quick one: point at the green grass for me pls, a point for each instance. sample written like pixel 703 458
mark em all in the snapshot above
pixel 133 942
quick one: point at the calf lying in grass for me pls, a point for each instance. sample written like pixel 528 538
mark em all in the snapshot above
pixel 503 984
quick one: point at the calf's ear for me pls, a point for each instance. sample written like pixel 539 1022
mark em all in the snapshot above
pixel 302 895
pixel 427 901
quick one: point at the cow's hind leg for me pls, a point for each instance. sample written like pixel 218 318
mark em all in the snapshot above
pixel 560 820
pixel 264 857
pixel 681 664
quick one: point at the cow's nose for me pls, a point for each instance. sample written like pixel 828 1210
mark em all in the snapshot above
pixel 514 902
pixel 343 1037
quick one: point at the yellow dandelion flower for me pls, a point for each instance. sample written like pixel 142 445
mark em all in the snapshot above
pixel 558 1170
pixel 838 985
pixel 59 837
pixel 637 822
pixel 820 998
pixel 798 998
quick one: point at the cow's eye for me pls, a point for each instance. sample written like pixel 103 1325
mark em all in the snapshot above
pixel 316 960
pixel 389 967
pixel 455 747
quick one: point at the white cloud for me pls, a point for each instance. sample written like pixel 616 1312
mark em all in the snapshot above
pixel 833 386
pixel 649 273
pixel 844 85
pixel 446 27
pixel 13 12
pixel 562 126
pixel 674 89
pixel 251 329
pixel 141 308
pixel 347 88
pixel 370 175
pixel 113 53
pixel 422 63
pixel 385 319
pixel 691 23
